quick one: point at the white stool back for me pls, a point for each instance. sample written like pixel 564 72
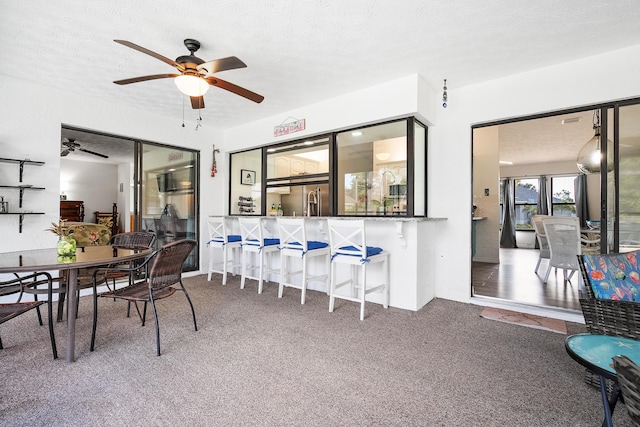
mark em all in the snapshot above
pixel 220 239
pixel 255 243
pixel 349 246
pixel 294 246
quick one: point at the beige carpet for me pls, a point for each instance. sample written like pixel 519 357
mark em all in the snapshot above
pixel 524 319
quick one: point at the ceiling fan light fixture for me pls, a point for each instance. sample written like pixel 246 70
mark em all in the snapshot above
pixel 192 85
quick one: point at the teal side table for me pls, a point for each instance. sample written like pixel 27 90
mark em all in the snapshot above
pixel 596 353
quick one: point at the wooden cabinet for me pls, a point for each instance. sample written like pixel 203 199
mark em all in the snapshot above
pixel 72 210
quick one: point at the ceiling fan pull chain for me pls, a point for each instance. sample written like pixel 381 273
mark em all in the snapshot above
pixel 183 111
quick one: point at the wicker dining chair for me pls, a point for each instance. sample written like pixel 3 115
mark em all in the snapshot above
pixel 604 315
pixel 163 269
pixel 629 382
pixel 10 310
pixel 128 240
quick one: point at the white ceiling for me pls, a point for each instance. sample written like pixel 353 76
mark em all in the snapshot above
pixel 298 52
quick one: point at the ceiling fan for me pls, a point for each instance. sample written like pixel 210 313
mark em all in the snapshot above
pixel 195 75
pixel 71 145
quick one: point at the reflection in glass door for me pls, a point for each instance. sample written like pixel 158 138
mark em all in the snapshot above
pixel 168 195
pixel 628 177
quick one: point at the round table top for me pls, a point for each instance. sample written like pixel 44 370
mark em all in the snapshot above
pixel 596 352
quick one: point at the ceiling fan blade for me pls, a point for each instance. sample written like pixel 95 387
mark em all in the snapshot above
pixel 197 102
pixel 93 152
pixel 246 93
pixel 64 153
pixel 144 78
pixel 221 64
pixel 151 53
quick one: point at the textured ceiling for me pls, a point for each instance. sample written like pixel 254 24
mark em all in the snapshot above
pixel 298 52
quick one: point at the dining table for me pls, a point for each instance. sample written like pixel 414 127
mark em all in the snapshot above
pixel 47 259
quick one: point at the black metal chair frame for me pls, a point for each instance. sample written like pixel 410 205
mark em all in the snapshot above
pixel 10 310
pixel 162 269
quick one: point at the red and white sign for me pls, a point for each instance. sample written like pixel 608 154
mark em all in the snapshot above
pixel 291 127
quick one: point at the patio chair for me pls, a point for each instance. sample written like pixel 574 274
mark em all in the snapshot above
pixel 10 310
pixel 163 269
pixel 629 382
pixel 611 301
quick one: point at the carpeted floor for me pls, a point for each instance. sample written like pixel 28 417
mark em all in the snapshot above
pixel 259 360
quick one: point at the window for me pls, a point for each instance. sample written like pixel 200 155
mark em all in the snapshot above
pixel 563 201
pixel 372 170
pixel 246 183
pixel 526 202
pixel 298 178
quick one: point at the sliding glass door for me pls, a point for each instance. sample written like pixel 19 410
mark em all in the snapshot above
pixel 168 195
pixel 628 177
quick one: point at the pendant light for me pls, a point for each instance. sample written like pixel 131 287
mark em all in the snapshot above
pixel 590 156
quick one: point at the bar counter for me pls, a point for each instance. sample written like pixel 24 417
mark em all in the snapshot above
pixel 412 246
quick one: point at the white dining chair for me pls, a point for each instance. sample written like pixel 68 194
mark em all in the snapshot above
pixel 349 246
pixel 220 240
pixel 541 237
pixel 256 245
pixel 296 249
pixel 563 235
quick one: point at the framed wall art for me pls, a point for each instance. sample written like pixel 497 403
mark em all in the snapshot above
pixel 247 177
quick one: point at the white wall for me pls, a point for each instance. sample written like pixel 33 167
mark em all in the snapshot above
pixel 32 116
pixel 592 80
pixel 93 183
pixel 393 99
pixel 486 177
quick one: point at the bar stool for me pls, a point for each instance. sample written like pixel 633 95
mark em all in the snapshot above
pixel 255 244
pixel 294 244
pixel 219 238
pixel 349 246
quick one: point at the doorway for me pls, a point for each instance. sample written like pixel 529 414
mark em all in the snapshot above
pixel 547 146
pixel 154 187
pixel 533 157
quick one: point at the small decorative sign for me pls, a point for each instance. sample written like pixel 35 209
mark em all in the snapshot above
pixel 296 125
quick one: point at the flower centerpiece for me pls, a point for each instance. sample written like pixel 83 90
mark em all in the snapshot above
pixel 66 243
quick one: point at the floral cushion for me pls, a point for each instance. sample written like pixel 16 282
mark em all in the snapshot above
pixel 614 276
pixel 89 234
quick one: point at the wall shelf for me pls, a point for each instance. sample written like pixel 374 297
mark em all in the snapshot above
pixel 21 163
pixel 22 214
pixel 21 188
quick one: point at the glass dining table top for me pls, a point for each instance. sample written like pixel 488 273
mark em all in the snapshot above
pixel 48 259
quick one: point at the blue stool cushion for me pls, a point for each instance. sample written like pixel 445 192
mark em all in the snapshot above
pixel 271 242
pixel 267 242
pixel 234 238
pixel 353 251
pixel 311 245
